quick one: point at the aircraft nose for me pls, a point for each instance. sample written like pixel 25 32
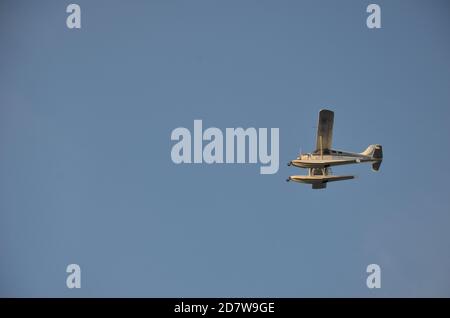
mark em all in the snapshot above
pixel 289 163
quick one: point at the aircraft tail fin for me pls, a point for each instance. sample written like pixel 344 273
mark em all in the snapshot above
pixel 376 165
pixel 376 152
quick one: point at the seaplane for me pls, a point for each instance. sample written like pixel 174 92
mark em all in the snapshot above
pixel 320 161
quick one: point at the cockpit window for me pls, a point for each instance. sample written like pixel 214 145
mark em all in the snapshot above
pixel 324 151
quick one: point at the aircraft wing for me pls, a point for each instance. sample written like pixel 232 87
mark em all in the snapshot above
pixel 325 130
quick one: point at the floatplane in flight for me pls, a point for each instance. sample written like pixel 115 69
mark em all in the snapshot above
pixel 320 160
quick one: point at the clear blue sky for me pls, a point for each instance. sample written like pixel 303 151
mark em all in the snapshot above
pixel 86 175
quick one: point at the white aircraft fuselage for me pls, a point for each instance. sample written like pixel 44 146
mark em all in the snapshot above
pixel 332 158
